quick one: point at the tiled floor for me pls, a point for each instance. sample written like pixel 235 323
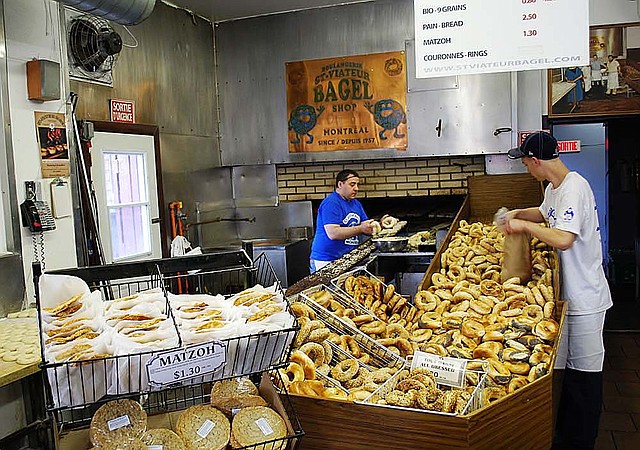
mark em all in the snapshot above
pixel 620 421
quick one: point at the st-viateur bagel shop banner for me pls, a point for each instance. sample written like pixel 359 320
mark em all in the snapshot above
pixel 347 103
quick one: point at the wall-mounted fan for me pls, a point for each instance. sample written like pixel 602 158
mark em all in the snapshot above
pixel 93 46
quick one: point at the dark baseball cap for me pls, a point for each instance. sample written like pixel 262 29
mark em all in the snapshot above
pixel 539 145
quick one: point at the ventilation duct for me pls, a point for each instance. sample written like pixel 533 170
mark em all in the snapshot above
pixel 124 12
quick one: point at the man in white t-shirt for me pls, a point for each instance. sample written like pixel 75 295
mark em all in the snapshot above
pixel 569 210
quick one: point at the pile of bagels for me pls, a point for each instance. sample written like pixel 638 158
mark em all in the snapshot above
pixel 467 312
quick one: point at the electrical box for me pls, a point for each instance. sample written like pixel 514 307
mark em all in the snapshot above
pixel 43 80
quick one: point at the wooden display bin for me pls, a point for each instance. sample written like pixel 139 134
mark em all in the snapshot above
pixel 523 419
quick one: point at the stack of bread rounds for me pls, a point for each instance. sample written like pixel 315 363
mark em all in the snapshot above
pixel 117 421
pixel 202 427
pixel 230 396
pixel 163 438
pixel 258 424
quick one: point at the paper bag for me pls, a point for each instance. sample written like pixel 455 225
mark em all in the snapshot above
pixel 517 257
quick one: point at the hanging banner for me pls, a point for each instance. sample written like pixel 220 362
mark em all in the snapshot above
pixel 51 131
pixel 347 103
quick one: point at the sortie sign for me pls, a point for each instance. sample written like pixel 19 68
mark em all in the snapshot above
pixel 123 111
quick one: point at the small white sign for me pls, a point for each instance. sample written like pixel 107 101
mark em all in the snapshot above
pixel 454 37
pixel 174 366
pixel 154 447
pixel 264 426
pixel 448 371
pixel 118 422
pixel 205 429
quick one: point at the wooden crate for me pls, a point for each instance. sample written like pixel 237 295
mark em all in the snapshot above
pixel 523 419
pixel 520 420
pixel 487 194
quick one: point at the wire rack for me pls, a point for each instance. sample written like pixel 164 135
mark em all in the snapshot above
pixel 380 355
pixel 475 402
pixel 75 389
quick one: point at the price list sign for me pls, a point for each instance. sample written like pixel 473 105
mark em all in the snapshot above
pixel 479 36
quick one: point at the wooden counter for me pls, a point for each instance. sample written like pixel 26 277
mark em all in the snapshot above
pixel 12 330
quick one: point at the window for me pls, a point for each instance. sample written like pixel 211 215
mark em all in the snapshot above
pixel 128 204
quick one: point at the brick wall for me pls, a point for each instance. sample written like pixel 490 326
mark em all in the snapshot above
pixel 381 178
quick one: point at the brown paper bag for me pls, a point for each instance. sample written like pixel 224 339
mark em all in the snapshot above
pixel 517 257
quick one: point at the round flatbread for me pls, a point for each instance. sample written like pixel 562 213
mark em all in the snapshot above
pixel 117 420
pixel 202 427
pixel 256 424
pixel 165 438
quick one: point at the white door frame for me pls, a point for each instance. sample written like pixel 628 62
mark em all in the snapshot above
pixel 149 130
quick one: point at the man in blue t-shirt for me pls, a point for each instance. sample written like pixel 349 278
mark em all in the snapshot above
pixel 341 219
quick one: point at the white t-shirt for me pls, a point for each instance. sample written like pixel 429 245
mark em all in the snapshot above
pixel 572 207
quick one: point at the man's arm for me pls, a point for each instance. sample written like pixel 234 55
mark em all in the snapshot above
pixel 338 233
pixel 551 236
pixel 530 214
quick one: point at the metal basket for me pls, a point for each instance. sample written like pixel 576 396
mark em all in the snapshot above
pixel 380 355
pixel 475 402
pixel 74 388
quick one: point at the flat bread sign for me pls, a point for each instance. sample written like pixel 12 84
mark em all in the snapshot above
pixel 456 37
pixel 123 111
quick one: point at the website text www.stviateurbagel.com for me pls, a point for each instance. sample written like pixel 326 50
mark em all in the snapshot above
pixel 515 63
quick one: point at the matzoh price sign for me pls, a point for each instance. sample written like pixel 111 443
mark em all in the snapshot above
pixel 479 36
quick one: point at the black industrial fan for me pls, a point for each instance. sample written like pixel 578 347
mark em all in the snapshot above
pixel 93 45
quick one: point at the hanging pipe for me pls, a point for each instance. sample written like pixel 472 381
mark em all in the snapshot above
pixel 124 12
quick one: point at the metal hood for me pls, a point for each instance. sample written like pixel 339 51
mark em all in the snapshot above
pixel 124 12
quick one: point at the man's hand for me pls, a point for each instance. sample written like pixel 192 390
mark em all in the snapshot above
pixel 516 226
pixel 366 227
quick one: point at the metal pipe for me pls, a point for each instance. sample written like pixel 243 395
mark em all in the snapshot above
pixel 124 12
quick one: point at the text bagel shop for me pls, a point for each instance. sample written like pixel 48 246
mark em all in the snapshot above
pixel 182 364
pixel 347 103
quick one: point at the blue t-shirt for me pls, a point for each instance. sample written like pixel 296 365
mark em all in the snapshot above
pixel 336 210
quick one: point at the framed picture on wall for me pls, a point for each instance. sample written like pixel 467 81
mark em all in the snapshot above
pixel 609 85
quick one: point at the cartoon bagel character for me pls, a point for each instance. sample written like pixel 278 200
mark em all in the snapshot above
pixel 389 114
pixel 302 120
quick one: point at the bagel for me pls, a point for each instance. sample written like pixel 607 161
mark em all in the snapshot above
pixel 472 328
pixel 395 330
pixel 375 327
pixel 305 362
pixel 315 352
pixel 420 335
pixel 388 221
pixel 388 293
pixel 519 368
pixel 294 372
pixel 319 334
pixel 328 352
pixel 493 393
pixel 547 310
pixel 498 372
pixel 546 329
pixel 487 350
pixel 345 370
pixel 534 312
pixel 492 288
pixel 305 330
pixel 300 309
pixel 516 383
pixel 349 344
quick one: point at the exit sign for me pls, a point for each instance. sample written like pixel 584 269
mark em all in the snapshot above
pixel 568 146
pixel 123 111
